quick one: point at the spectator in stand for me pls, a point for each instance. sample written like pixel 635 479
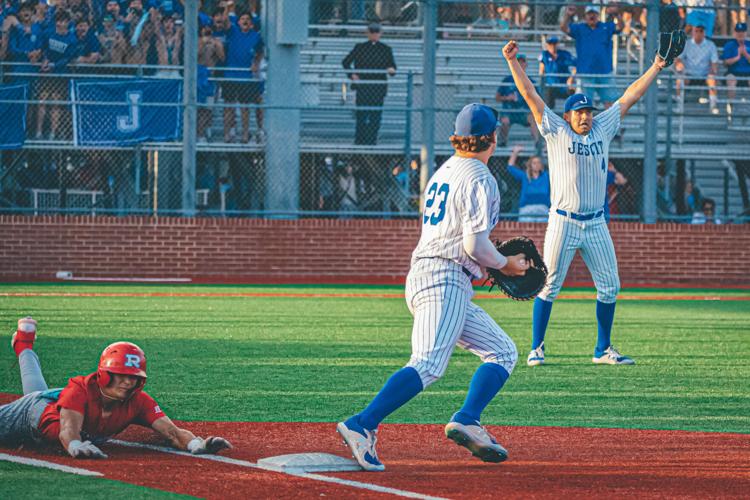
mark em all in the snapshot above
pixel 736 56
pixel 698 65
pixel 517 111
pixel 621 197
pixel 560 61
pixel 112 42
pixel 370 55
pixel 697 16
pixel 707 215
pixel 210 55
pixel 24 42
pixel 326 192
pixel 58 49
pixel 139 33
pixel 348 188
pixel 594 53
pixel 534 203
pixel 244 52
pixel 168 42
pixel 220 25
pixel 113 9
pixel 692 198
pixel 670 17
pixel 88 48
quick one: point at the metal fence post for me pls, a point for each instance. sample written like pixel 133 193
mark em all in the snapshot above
pixel 407 126
pixel 190 112
pixel 429 39
pixel 726 194
pixel 650 139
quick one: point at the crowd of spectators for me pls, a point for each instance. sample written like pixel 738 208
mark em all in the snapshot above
pixel 42 39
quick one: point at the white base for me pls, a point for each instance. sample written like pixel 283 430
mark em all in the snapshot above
pixel 299 463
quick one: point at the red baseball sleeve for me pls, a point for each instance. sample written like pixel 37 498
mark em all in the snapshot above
pixel 73 397
pixel 148 410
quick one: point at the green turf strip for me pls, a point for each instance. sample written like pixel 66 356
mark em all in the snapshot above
pixel 302 359
pixel 25 482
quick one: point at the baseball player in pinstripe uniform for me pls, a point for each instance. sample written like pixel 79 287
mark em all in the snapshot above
pixel 461 207
pixel 578 148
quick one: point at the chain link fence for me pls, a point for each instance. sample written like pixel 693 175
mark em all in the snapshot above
pixel 362 74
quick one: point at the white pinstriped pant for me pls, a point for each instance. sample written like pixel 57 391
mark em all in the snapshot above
pixel 563 237
pixel 438 295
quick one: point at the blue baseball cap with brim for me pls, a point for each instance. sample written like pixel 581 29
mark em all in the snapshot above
pixel 740 27
pixel 553 39
pixel 476 119
pixel 578 101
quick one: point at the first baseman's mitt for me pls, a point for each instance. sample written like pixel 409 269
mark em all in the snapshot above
pixel 671 45
pixel 523 287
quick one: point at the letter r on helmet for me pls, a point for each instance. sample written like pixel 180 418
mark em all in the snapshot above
pixel 132 360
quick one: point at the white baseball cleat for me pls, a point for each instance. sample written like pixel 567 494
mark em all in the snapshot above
pixel 477 440
pixel 611 356
pixel 536 356
pixel 361 442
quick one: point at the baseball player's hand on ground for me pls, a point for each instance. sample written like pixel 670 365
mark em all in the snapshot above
pixel 517 265
pixel 85 449
pixel 210 445
pixel 510 51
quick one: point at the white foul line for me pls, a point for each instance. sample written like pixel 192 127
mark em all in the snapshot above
pixel 306 475
pixel 48 465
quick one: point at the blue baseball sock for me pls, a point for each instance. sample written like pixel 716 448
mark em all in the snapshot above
pixel 485 384
pixel 400 388
pixel 540 318
pixel 605 314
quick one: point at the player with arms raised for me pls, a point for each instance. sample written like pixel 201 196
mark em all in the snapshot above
pixel 462 204
pixel 90 408
pixel 578 148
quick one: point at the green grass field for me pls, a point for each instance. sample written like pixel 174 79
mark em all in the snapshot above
pixel 26 482
pixel 321 359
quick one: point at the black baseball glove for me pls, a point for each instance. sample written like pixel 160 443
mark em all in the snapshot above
pixel 524 287
pixel 671 45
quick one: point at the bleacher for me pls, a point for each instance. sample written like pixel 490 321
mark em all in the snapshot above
pixel 470 70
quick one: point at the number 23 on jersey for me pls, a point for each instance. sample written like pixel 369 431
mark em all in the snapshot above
pixel 434 210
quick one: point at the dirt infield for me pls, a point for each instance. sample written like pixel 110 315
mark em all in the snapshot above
pixel 545 462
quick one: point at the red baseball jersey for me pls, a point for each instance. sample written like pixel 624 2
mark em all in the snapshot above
pixel 82 394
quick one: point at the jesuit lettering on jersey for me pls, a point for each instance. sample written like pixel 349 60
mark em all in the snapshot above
pixel 579 148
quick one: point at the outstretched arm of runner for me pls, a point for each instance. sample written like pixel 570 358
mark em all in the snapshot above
pixel 183 439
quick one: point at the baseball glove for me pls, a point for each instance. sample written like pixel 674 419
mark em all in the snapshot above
pixel 671 45
pixel 524 287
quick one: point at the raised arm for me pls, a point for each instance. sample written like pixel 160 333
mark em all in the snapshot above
pixel 524 85
pixel 565 23
pixel 636 89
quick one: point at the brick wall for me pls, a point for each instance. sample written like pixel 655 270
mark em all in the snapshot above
pixel 327 251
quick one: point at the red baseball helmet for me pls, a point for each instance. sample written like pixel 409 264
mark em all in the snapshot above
pixel 123 358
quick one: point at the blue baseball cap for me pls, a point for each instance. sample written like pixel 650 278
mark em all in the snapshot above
pixel 553 39
pixel 740 27
pixel 578 101
pixel 475 120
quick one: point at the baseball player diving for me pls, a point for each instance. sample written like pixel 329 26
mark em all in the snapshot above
pixel 578 149
pixel 91 408
pixel 461 207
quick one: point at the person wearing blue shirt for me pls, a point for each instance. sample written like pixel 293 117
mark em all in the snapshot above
pixel 736 56
pixel 594 52
pixel 24 43
pixel 243 85
pixel 534 203
pixel 88 48
pixel 58 49
pixel 555 60
pixel 517 111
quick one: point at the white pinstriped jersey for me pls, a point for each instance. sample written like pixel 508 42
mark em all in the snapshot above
pixel 578 163
pixel 462 197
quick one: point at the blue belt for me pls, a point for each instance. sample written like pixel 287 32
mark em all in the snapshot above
pixel 573 215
